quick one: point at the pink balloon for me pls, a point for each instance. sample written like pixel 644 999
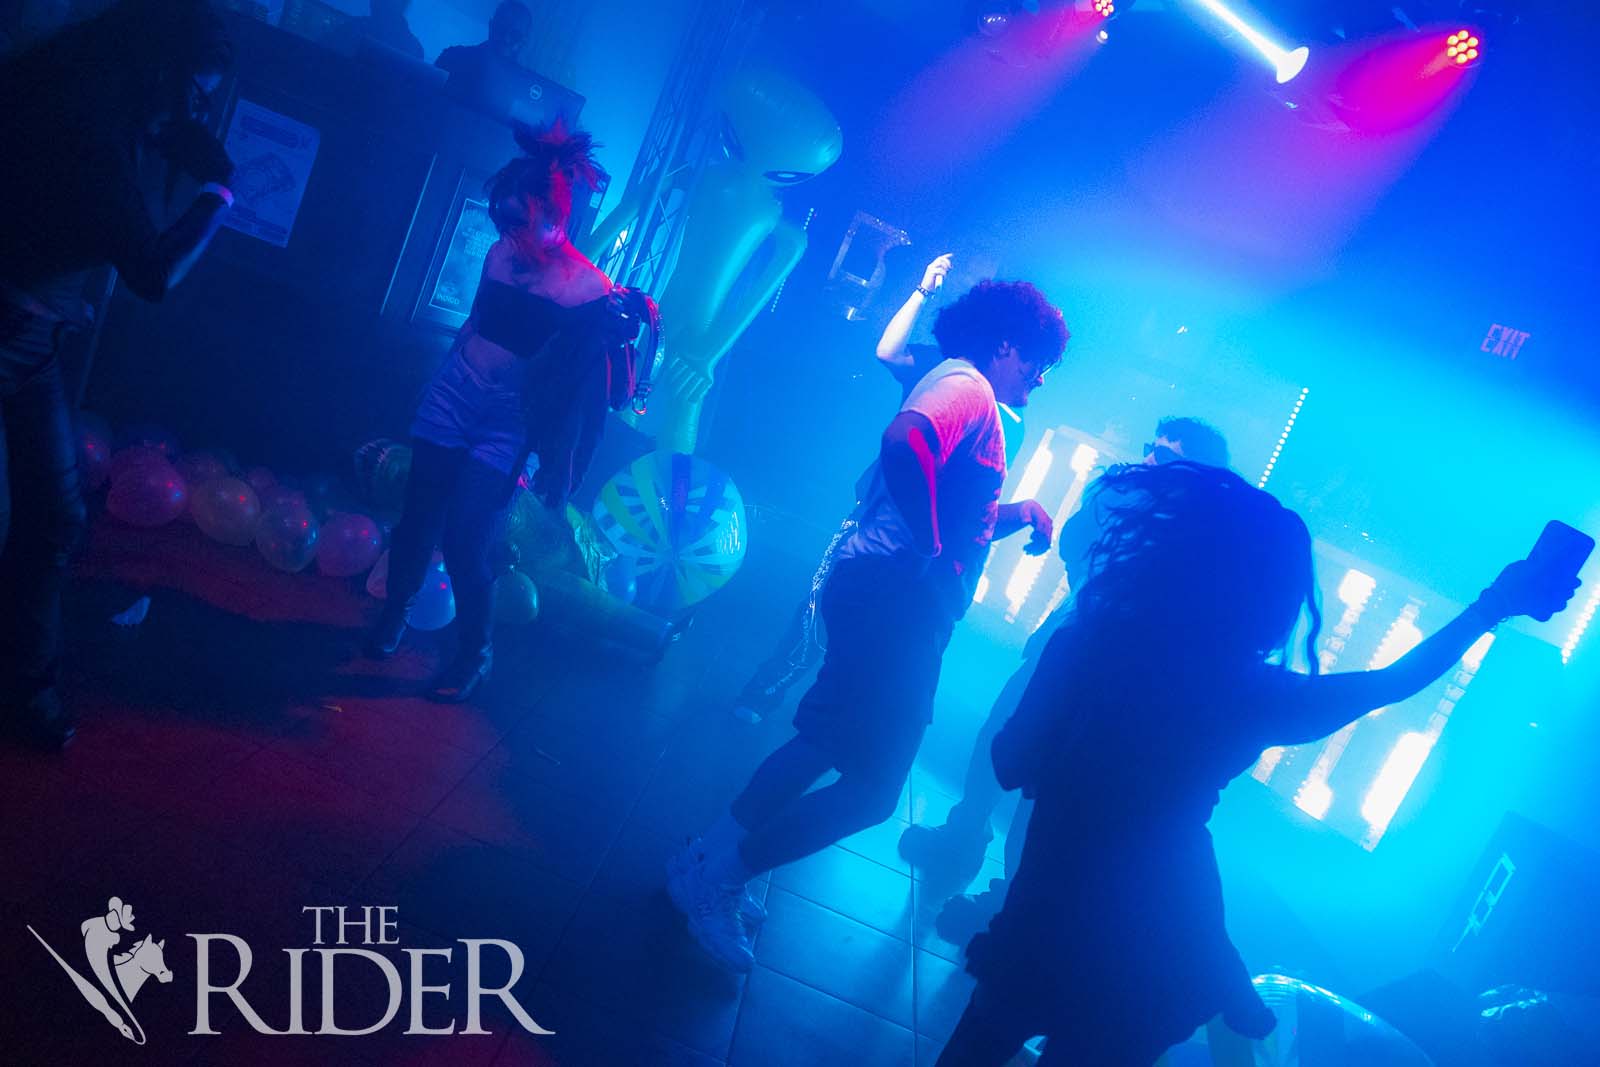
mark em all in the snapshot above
pixel 147 493
pixel 281 496
pixel 350 545
pixel 134 456
pixel 260 479
pixel 226 510
pixel 198 468
pixel 287 536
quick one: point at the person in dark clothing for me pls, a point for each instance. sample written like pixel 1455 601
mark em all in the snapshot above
pixel 904 577
pixel 487 76
pixel 88 107
pixel 543 356
pixel 385 27
pixel 952 854
pixel 1112 941
pixel 800 648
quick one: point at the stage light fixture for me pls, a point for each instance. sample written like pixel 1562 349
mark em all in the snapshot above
pixel 1286 63
pixel 1105 8
pixel 1462 48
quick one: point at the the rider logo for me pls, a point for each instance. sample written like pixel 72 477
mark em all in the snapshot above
pixel 117 978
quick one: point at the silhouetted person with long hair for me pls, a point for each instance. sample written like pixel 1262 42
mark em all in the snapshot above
pixel 85 110
pixel 951 855
pixel 534 370
pixel 1111 941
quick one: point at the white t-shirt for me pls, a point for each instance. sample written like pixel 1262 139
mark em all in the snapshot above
pixel 960 404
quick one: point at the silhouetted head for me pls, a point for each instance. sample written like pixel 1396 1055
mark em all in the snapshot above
pixel 140 63
pixel 530 199
pixel 1200 565
pixel 1009 331
pixel 1184 438
pixel 509 28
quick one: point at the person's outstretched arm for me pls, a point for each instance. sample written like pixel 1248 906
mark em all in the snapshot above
pixel 1316 706
pixel 151 261
pixel 892 351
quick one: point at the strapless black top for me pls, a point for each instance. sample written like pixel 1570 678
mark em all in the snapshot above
pixel 524 322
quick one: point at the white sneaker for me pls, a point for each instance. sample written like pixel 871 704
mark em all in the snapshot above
pixel 714 911
pixel 716 924
pixel 684 864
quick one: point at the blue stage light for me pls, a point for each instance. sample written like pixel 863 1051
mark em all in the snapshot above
pixel 1286 63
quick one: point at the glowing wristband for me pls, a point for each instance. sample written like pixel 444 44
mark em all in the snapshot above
pixel 220 191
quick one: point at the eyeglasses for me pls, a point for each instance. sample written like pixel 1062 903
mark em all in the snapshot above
pixel 1162 453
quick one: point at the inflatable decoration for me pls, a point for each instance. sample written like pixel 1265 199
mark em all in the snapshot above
pixel 151 437
pixel 226 510
pixel 260 478
pixel 436 600
pixel 680 522
pixel 381 470
pixel 351 544
pixel 198 468
pixel 737 248
pixel 287 535
pixel 1315 1027
pixel 146 490
pixel 516 601
pixel 135 456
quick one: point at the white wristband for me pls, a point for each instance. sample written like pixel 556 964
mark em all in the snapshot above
pixel 219 190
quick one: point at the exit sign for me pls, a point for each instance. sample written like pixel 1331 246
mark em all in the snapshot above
pixel 1503 341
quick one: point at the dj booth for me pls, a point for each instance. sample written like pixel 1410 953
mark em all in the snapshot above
pixel 350 258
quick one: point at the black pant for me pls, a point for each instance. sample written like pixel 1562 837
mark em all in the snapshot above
pixel 42 519
pixel 455 502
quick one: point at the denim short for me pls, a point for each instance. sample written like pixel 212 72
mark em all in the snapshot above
pixel 459 410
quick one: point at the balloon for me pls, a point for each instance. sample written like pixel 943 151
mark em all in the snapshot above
pixel 436 600
pixel 680 522
pixel 260 478
pixel 350 545
pixel 227 510
pixel 198 468
pixel 381 470
pixel 152 437
pixel 435 605
pixel 94 449
pixel 135 456
pixel 516 601
pixel 1318 1026
pixel 281 496
pixel 148 493
pixel 324 493
pixel 287 536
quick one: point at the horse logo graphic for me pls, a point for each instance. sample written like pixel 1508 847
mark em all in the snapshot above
pixel 120 977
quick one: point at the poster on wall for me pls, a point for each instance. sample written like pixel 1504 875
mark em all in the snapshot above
pixel 273 155
pixel 458 260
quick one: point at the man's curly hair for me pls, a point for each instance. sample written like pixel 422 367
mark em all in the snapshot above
pixel 992 313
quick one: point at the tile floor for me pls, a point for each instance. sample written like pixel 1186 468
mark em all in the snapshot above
pixel 237 762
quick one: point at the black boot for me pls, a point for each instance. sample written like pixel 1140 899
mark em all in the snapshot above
pixel 383 640
pixel 457 682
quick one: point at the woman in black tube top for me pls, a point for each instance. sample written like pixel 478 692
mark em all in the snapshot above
pixel 538 363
